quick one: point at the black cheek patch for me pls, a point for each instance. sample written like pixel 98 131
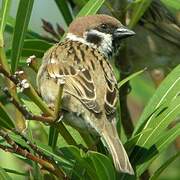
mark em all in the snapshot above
pixel 93 38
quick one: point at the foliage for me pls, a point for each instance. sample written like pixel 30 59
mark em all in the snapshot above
pixel 57 146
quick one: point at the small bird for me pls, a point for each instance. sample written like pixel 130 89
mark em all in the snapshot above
pixel 90 91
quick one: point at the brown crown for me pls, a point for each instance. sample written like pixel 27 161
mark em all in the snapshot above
pixel 82 24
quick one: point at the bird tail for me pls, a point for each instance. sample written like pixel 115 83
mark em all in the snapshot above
pixel 115 147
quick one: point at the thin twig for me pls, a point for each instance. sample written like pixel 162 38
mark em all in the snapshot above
pixel 123 93
pixel 8 75
pixel 37 150
pixel 28 115
pixel 30 92
pixel 15 148
pixel 58 102
pixel 20 79
pixel 65 133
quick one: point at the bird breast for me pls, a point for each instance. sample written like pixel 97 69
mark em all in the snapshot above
pixel 88 77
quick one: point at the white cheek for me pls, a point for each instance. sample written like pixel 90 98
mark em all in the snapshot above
pixel 106 44
pixel 74 37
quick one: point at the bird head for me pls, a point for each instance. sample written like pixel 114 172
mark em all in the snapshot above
pixel 99 31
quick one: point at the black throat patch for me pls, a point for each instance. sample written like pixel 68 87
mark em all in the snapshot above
pixel 93 38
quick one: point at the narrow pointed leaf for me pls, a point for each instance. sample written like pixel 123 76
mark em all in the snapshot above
pixel 138 10
pixel 5 120
pixel 103 166
pixel 91 7
pixel 163 108
pixel 132 141
pixel 165 165
pixel 64 9
pixel 22 21
pixel 168 89
pixel 160 145
pixel 4 15
pixel 15 172
pixel 80 3
pixel 160 122
pixel 35 46
pixel 175 4
pixel 130 77
pixel 4 175
pixel 96 165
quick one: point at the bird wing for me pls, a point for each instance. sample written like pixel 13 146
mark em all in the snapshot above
pixel 70 62
pixel 111 94
pixel 66 64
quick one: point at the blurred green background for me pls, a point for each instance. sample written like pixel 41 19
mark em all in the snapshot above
pixel 142 89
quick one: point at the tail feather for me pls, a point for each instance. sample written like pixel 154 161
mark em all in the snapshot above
pixel 115 146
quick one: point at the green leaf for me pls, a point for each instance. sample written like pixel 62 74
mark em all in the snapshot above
pixel 30 105
pixel 142 88
pixel 103 166
pixel 162 118
pixel 155 150
pixel 168 90
pixel 163 108
pixel 130 77
pixel 132 141
pixel 175 4
pixel 4 175
pixel 60 158
pixel 10 28
pixel 95 165
pixel 53 136
pixel 158 172
pixel 4 14
pixel 138 10
pixel 80 159
pixel 5 120
pixel 64 9
pixel 22 20
pixel 36 47
pixel 36 169
pixel 18 139
pixel 80 3
pixel 76 136
pixel 15 172
pixel 91 7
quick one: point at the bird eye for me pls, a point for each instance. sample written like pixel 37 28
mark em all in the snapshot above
pixel 103 26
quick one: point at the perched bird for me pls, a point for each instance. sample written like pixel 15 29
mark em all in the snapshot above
pixel 90 91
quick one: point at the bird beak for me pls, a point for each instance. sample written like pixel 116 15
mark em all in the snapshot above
pixel 123 32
